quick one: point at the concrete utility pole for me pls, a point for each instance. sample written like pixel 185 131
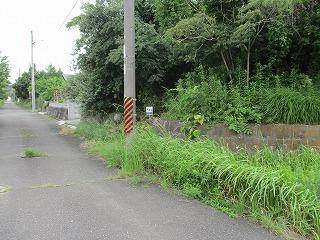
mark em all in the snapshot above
pixel 129 67
pixel 33 92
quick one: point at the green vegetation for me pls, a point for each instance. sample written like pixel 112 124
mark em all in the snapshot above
pixel 202 93
pixel 291 106
pixel 49 85
pixel 233 62
pixel 33 153
pixel 50 88
pixel 277 188
pixel 1 103
pixel 4 77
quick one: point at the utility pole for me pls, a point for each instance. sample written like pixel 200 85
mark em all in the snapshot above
pixel 33 92
pixel 129 68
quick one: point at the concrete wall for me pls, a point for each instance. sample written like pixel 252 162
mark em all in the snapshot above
pixel 276 136
pixel 64 111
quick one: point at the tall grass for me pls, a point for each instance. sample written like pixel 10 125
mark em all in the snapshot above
pixel 267 183
pixel 1 103
pixel 285 105
pixel 102 132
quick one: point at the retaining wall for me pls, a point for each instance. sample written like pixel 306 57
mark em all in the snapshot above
pixel 276 136
pixel 64 111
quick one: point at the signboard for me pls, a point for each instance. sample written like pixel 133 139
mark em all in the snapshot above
pixel 149 111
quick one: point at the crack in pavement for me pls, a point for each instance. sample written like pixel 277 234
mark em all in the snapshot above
pixel 61 185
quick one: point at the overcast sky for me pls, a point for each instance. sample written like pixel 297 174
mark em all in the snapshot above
pixel 54 45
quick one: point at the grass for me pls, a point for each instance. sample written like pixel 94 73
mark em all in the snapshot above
pixel 284 105
pixel 280 190
pixel 1 103
pixel 33 153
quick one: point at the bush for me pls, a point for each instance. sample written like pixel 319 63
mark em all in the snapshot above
pixel 197 94
pixel 285 105
pixel 203 94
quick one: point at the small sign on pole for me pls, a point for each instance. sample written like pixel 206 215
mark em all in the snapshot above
pixel 149 111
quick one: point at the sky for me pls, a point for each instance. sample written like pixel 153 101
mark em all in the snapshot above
pixel 54 43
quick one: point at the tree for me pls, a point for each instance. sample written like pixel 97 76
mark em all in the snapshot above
pixel 21 86
pixel 4 76
pixel 46 80
pixel 253 18
pixel 169 12
pixel 50 88
pixel 100 56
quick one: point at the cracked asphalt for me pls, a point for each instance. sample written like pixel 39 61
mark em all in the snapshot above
pixel 72 195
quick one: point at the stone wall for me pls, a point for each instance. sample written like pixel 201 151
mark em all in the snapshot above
pixel 60 113
pixel 276 136
pixel 64 111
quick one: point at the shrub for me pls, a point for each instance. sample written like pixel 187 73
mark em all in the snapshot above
pixel 203 94
pixel 197 94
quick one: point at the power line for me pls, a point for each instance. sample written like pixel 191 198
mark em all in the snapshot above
pixel 74 5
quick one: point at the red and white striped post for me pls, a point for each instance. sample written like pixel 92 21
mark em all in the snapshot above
pixel 128 115
pixel 129 68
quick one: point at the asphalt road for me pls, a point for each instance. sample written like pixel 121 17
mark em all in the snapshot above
pixel 71 195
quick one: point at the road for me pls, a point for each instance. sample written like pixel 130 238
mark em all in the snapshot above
pixel 72 195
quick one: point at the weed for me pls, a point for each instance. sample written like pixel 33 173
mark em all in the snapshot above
pixel 135 180
pixel 66 131
pixel 33 153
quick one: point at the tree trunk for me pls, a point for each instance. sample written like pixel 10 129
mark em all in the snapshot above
pixel 227 67
pixel 231 59
pixel 248 63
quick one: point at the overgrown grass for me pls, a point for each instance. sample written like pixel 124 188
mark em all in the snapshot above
pixel 276 188
pixel 1 103
pixel 91 130
pixel 285 105
pixel 33 153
